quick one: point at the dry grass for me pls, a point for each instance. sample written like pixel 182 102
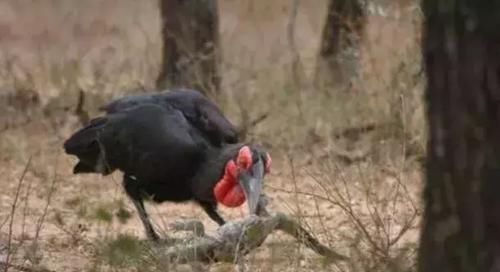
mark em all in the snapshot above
pixel 368 208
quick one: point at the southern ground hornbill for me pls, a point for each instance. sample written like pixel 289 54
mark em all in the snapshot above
pixel 166 153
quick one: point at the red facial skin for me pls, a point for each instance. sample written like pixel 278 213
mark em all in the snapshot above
pixel 228 191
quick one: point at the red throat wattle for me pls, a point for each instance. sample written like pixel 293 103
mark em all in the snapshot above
pixel 228 191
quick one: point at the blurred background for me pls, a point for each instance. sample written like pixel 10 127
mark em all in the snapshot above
pixel 331 88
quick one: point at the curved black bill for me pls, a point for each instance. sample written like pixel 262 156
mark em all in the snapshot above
pixel 251 182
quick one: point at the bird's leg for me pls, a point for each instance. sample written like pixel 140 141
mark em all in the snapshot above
pixel 131 185
pixel 211 210
pixel 150 232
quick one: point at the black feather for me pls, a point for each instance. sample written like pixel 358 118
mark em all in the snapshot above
pixel 196 108
pixel 154 144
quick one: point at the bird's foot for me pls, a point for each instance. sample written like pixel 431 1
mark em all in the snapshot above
pixel 153 236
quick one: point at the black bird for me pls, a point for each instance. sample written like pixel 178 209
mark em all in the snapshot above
pixel 166 157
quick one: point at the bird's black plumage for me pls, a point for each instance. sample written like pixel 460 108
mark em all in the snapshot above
pixel 148 142
pixel 200 111
pixel 163 156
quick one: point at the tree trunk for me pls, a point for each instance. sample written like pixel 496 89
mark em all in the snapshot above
pixel 461 49
pixel 190 45
pixel 338 60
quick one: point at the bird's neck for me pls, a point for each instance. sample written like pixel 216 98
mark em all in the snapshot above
pixel 211 171
pixel 216 160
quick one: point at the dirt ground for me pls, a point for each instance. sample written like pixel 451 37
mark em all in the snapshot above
pixel 367 209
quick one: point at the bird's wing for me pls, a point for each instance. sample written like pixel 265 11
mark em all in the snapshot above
pixel 204 115
pixel 127 102
pixel 200 111
pixel 147 140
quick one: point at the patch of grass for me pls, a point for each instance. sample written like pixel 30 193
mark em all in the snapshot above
pixel 102 214
pixel 123 215
pixel 123 251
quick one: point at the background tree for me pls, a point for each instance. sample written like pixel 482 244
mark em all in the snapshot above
pixel 190 36
pixel 461 227
pixel 340 42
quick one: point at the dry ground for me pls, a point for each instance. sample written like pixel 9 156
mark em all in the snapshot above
pixel 367 208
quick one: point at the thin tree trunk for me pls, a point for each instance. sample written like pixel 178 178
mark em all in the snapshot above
pixel 190 45
pixel 461 49
pixel 338 60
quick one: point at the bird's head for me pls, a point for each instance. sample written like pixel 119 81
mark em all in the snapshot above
pixel 243 178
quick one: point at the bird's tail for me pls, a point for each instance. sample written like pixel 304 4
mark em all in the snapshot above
pixel 84 144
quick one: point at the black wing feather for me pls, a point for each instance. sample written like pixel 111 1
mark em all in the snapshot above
pixel 196 108
pixel 147 141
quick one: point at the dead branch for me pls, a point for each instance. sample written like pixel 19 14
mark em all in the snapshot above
pixel 236 239
pixel 354 132
pixel 247 124
pixel 259 119
pixel 83 115
pixel 5 266
pixel 347 156
pixel 12 213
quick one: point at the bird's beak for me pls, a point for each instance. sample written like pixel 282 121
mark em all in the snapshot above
pixel 251 182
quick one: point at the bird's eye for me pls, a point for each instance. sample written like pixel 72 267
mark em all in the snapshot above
pixel 244 159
